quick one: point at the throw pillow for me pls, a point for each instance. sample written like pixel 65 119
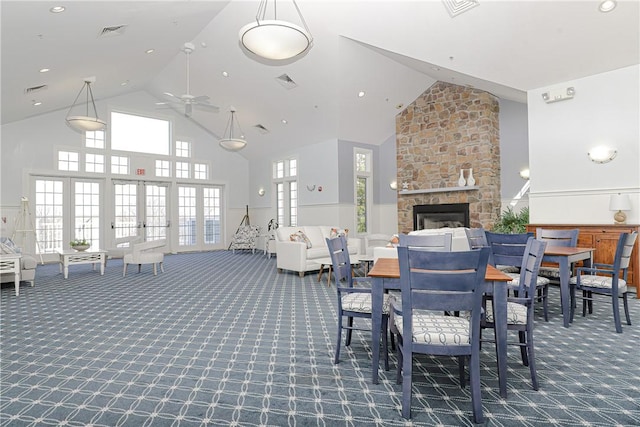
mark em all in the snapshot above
pixel 8 247
pixel 394 241
pixel 299 236
pixel 335 232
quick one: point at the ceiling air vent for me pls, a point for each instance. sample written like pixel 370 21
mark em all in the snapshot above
pixel 263 130
pixel 116 30
pixel 456 7
pixel 286 81
pixel 33 89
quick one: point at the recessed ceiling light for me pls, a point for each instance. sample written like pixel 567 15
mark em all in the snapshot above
pixel 284 121
pixel 225 74
pixel 56 9
pixel 607 6
pixel 44 70
pixel 36 103
pixel 361 94
pixel 124 83
pixel 149 50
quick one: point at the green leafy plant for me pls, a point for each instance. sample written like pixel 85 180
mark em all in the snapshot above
pixel 79 242
pixel 512 222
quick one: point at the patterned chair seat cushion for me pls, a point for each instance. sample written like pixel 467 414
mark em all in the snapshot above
pixel 601 282
pixel 508 268
pixel 516 313
pixel 551 272
pixel 361 302
pixel 515 280
pixel 432 328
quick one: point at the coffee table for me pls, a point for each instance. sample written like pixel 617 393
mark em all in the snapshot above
pixel 71 257
pixel 355 261
pixel 10 263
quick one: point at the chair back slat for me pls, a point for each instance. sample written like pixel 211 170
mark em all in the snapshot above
pixel 431 242
pixel 340 260
pixel 566 238
pixel 476 238
pixel 507 249
pixel 624 249
pixel 531 261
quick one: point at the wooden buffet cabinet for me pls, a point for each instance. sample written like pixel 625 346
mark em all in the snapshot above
pixel 604 238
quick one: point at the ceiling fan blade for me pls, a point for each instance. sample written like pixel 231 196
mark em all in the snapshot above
pixel 201 98
pixel 207 107
pixel 170 95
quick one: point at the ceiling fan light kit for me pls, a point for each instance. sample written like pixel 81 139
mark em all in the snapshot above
pixel 85 123
pixel 275 39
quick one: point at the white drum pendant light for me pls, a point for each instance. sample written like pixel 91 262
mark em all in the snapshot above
pixel 85 123
pixel 233 140
pixel 273 38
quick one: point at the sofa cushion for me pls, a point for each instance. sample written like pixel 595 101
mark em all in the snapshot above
pixel 316 236
pixel 28 262
pixel 317 252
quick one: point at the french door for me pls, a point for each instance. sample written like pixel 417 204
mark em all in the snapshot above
pixel 199 217
pixel 141 209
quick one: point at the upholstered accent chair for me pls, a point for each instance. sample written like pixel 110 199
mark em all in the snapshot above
pixel 122 247
pixel 520 307
pixel 433 282
pixel 27 262
pixel 146 253
pixel 246 237
pixel 354 296
pixel 606 279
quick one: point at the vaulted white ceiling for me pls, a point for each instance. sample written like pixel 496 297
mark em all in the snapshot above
pixel 392 50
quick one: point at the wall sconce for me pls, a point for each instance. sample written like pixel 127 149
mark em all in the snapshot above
pixel 555 95
pixel 602 154
pixel 524 173
pixel 393 185
pixel 618 203
pixel 261 192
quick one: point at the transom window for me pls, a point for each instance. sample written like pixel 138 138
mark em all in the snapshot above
pixel 163 168
pixel 119 165
pixel 182 169
pixel 94 163
pixel 68 161
pixel 94 139
pixel 183 149
pixel 141 134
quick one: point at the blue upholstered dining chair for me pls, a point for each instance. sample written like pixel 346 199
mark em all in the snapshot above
pixel 433 282
pixel 565 238
pixel 520 307
pixel 507 252
pixel 354 296
pixel 606 279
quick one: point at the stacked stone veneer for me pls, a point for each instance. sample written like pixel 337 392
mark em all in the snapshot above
pixel 446 129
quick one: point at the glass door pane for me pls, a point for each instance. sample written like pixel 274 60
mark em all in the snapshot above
pixel 49 220
pixel 126 210
pixel 155 222
pixel 212 207
pixel 187 216
pixel 87 213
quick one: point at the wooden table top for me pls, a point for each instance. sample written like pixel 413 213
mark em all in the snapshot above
pixel 389 268
pixel 565 250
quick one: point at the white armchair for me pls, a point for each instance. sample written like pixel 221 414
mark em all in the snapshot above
pixel 143 253
pixel 123 246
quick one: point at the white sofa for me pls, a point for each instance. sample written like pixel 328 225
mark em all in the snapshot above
pixel 294 256
pixel 458 241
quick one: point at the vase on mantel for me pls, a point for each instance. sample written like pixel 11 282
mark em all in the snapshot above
pixel 470 179
pixel 461 180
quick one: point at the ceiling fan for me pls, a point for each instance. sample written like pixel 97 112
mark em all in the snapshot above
pixel 189 101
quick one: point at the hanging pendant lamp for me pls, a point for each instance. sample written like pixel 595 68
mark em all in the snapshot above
pixel 86 123
pixel 233 139
pixel 273 38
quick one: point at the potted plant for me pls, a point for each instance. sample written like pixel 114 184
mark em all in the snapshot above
pixel 511 222
pixel 80 244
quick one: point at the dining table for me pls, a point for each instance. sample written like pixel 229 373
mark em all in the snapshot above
pixel 385 275
pixel 565 256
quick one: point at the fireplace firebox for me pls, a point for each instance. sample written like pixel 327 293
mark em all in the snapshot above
pixel 439 216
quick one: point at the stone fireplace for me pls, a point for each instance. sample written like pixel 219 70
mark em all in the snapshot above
pixel 439 216
pixel 447 129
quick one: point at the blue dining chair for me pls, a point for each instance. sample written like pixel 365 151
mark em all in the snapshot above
pixel 354 297
pixel 520 307
pixel 606 279
pixel 433 282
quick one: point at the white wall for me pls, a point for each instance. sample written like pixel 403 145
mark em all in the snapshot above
pixel 567 187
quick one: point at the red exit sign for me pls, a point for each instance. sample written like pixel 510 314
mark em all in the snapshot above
pixel 140 172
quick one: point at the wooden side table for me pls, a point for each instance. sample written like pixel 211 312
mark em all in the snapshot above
pixel 10 263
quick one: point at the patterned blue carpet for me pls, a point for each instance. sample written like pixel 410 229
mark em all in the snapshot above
pixel 223 339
